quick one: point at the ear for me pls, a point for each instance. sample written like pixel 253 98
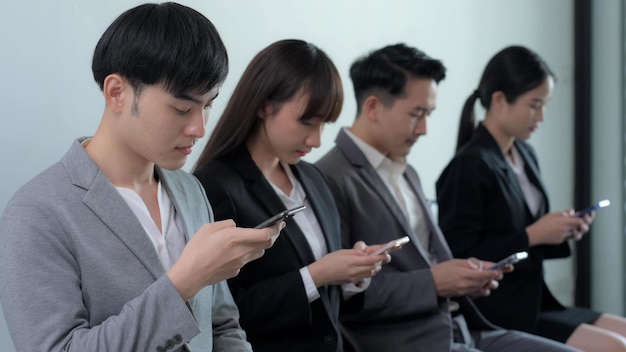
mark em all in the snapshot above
pixel 372 108
pixel 498 100
pixel 265 110
pixel 115 89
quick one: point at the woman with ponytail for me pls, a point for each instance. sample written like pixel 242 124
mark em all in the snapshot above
pixel 492 203
pixel 251 170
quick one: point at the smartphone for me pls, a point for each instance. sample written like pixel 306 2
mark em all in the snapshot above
pixel 392 246
pixel 589 209
pixel 283 215
pixel 512 259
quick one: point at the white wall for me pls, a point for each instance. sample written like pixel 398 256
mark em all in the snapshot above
pixel 607 168
pixel 48 96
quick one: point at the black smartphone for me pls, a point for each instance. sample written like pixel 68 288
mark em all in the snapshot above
pixel 283 215
pixel 392 246
pixel 589 209
pixel 512 259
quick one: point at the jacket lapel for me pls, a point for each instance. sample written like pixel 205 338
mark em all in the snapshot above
pixel 106 202
pixel 266 197
pixel 370 176
pixel 532 171
pixel 324 217
pixel 437 241
pixel 497 158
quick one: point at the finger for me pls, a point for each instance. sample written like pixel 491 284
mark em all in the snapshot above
pixel 508 268
pixel 278 227
pixel 473 263
pixel 583 229
pixel 360 246
pixel 220 225
pixel 262 238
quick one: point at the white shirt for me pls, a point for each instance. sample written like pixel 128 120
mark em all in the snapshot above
pixel 310 227
pixel 534 198
pixel 168 244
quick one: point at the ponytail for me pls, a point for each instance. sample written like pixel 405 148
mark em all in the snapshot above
pixel 467 124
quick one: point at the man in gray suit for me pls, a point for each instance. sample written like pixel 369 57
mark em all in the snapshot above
pixel 418 302
pixel 112 248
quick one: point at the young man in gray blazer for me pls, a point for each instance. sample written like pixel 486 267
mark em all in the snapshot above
pixel 419 301
pixel 113 248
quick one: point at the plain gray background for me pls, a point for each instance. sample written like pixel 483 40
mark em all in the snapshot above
pixel 48 96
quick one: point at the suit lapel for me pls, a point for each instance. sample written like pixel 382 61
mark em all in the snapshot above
pixel 498 159
pixel 437 241
pixel 266 197
pixel 370 176
pixel 324 219
pixel 177 196
pixel 106 202
pixel 532 172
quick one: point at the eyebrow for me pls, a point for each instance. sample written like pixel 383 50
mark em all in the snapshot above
pixel 185 96
pixel 423 109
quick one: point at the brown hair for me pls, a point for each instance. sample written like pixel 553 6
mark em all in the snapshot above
pixel 276 75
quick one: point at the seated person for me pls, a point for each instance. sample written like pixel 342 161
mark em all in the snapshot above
pixel 492 203
pixel 419 301
pixel 251 169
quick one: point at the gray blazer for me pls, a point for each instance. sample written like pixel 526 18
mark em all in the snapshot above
pixel 79 273
pixel 400 311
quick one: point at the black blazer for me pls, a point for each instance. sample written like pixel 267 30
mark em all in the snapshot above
pixel 483 213
pixel 274 308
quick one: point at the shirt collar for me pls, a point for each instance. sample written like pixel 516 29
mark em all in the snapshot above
pixel 378 160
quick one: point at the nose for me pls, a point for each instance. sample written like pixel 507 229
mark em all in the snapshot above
pixel 197 124
pixel 540 113
pixel 314 140
pixel 420 127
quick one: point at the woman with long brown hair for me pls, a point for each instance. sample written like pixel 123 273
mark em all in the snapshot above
pixel 251 169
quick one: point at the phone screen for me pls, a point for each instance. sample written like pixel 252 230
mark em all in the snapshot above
pixel 283 215
pixel 600 204
pixel 512 259
pixel 392 246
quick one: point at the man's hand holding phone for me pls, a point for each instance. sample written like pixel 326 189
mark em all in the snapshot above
pixel 281 216
pixel 391 246
pixel 216 252
pixel 346 266
pixel 509 261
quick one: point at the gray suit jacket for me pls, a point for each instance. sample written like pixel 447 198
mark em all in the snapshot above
pixel 400 311
pixel 79 273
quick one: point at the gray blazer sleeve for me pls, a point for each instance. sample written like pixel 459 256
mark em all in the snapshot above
pixel 46 307
pixel 78 272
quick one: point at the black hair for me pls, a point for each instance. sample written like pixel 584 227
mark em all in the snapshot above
pixel 167 43
pixel 513 71
pixel 384 72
